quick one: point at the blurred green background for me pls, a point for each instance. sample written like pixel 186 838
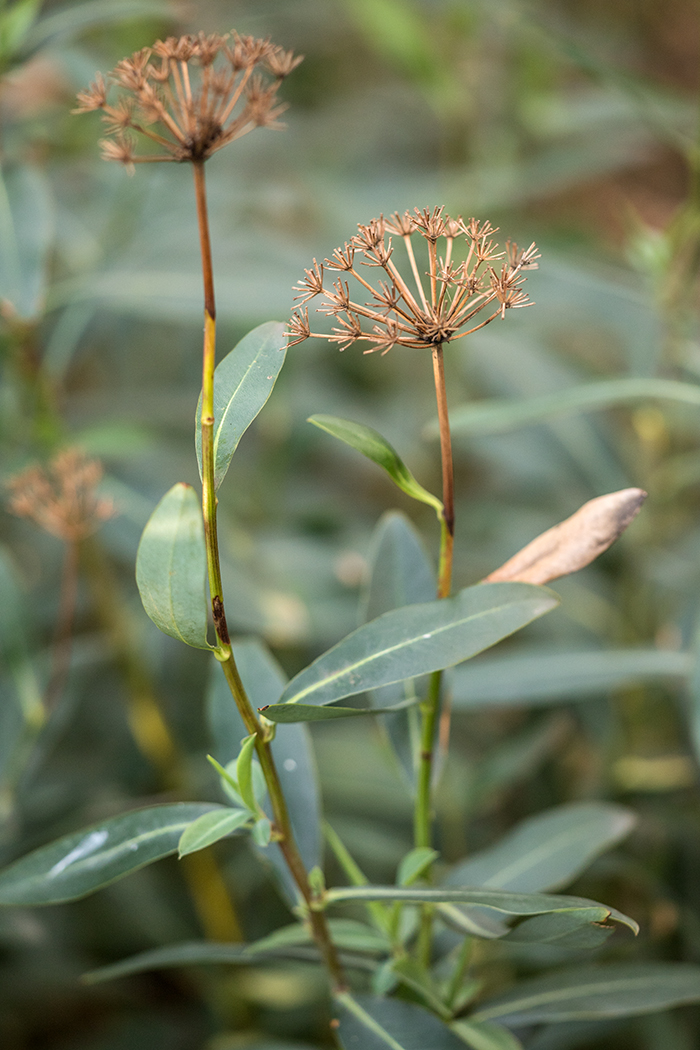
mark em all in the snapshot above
pixel 574 125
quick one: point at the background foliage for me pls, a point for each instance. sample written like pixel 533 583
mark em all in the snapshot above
pixel 571 125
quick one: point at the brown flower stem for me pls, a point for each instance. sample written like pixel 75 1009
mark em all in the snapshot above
pixel 282 827
pixel 431 706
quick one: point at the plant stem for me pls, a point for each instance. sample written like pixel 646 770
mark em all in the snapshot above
pixel 431 705
pixel 281 823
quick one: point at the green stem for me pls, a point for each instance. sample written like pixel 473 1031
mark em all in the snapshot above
pixel 281 822
pixel 430 708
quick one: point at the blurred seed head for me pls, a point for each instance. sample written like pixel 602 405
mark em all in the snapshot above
pixel 419 311
pixel 61 498
pixel 189 96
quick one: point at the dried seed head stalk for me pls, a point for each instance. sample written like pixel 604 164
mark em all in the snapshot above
pixel 419 312
pixel 61 498
pixel 189 96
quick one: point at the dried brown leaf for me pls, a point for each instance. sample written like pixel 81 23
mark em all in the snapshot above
pixel 574 543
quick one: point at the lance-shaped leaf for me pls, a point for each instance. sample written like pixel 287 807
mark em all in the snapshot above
pixel 589 992
pixel 243 382
pixel 372 445
pixel 86 860
pixel 547 851
pixel 484 1035
pixel 285 714
pixel 501 903
pixel 416 640
pixel 369 1023
pixel 289 942
pixel 499 416
pixel 171 565
pixel 538 676
pixel 210 827
pixel 574 543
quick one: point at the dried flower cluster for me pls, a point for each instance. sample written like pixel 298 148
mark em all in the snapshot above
pixel 189 96
pixel 61 498
pixel 417 313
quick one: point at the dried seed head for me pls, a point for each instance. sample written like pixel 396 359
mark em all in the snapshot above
pixel 61 498
pixel 199 94
pixel 407 310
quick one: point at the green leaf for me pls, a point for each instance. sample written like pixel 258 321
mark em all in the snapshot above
pixel 483 1035
pixel 573 929
pixel 500 902
pixel 496 417
pixel 76 18
pixel 372 1023
pixel 418 639
pixel 590 992
pixel 26 235
pixel 243 382
pixel 262 832
pixel 547 851
pixel 211 827
pixel 284 714
pixel 400 574
pixel 171 565
pixel 414 864
pixel 244 772
pixel 84 861
pixel 15 23
pixel 190 953
pixel 347 934
pixel 538 676
pixel 372 445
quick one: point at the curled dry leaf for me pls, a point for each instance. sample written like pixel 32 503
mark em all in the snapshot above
pixel 574 543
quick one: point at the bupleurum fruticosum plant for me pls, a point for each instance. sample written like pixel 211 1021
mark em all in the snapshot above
pixel 469 282
pixel 188 98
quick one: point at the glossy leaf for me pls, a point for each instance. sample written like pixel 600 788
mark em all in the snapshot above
pixel 86 860
pixel 589 992
pixel 548 851
pixel 400 574
pixel 171 565
pixel 495 417
pixel 539 676
pixel 484 1035
pixel 243 381
pixel 418 639
pixel 373 1023
pixel 500 902
pixel 372 445
pixel 211 827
